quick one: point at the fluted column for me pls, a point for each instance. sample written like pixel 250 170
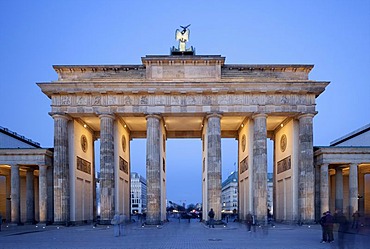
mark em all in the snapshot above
pixel 30 196
pixel 324 188
pixel 8 198
pixel 61 170
pixel 338 188
pixel 353 189
pixel 306 173
pixel 214 164
pixel 153 169
pixel 107 182
pixel 43 194
pixel 15 195
pixel 259 184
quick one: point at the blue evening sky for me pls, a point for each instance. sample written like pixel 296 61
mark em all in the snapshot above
pixel 334 35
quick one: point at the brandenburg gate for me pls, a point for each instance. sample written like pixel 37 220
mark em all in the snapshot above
pixel 182 95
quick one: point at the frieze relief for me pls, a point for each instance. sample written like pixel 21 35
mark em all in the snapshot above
pixel 181 100
pixel 97 100
pixel 83 165
pixel 82 100
pixel 127 100
pixel 243 165
pixel 143 100
pixel 112 100
pixel 284 165
pixel 123 165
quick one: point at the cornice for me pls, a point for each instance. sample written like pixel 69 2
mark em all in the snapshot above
pixel 306 68
pixel 173 88
pixel 95 68
pixel 183 60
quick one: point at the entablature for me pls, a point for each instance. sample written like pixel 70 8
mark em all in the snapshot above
pixel 173 88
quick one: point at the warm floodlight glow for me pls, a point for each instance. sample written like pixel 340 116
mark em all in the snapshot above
pixel 85 125
pixel 281 125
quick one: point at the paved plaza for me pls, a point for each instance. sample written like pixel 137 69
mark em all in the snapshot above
pixel 174 234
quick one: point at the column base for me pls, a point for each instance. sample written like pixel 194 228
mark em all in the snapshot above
pixel 104 222
pixel 31 222
pixel 14 224
pixel 63 223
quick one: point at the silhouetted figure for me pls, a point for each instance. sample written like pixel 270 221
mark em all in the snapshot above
pixel 329 225
pixel 355 219
pixel 211 215
pixel 115 222
pixel 249 221
pixel 342 229
pixel 122 219
pixel 323 228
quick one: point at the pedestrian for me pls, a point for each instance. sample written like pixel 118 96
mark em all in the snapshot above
pixel 1 221
pixel 323 228
pixel 343 227
pixel 330 226
pixel 249 221
pixel 115 223
pixel 122 220
pixel 355 219
pixel 211 215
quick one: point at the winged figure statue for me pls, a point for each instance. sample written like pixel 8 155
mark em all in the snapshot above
pixel 182 36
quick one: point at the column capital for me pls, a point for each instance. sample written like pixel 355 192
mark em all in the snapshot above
pixel 259 115
pixel 213 114
pixel 107 115
pixel 153 115
pixel 43 166
pixel 63 115
pixel 306 115
pixel 30 169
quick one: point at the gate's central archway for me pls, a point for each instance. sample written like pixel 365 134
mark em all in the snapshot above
pixel 185 96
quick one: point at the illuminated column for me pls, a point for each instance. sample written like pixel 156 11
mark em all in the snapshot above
pixel 61 170
pixel 15 195
pixel 8 198
pixel 30 197
pixel 259 167
pixel 214 164
pixel 306 174
pixel 107 197
pixel 43 196
pixel 153 170
pixel 338 188
pixel 324 188
pixel 353 189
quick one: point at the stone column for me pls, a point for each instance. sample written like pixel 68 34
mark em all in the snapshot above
pixel 324 188
pixel 306 173
pixel 8 198
pixel 214 184
pixel 15 195
pixel 338 188
pixel 95 213
pixel 30 196
pixel 50 193
pixel 259 168
pixel 107 182
pixel 61 170
pixel 153 169
pixel 43 195
pixel 353 189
